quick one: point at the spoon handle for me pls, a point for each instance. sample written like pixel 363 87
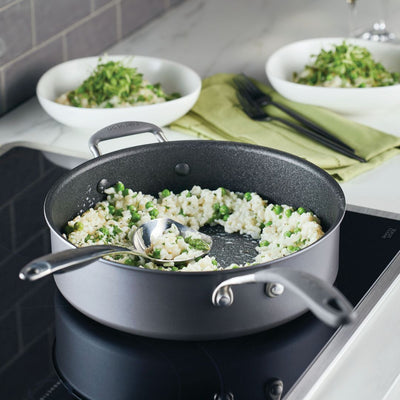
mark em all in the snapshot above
pixel 309 124
pixel 73 258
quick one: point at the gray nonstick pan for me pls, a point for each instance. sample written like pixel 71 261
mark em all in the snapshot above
pixel 202 305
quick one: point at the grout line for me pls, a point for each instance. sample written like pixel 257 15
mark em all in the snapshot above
pixel 7 364
pixel 27 188
pixel 13 3
pixel 33 23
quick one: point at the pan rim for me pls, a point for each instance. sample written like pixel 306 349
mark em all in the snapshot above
pixel 249 269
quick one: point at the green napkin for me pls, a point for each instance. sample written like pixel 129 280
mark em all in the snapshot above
pixel 217 116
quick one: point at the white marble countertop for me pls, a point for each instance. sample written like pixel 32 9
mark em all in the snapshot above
pixel 238 36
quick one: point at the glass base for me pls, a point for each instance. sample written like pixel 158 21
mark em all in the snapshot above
pixel 377 36
pixel 378 33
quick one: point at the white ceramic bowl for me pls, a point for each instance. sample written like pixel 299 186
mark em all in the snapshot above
pixel 293 58
pixel 69 75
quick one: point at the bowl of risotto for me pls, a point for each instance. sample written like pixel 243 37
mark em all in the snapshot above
pixel 93 92
pixel 349 76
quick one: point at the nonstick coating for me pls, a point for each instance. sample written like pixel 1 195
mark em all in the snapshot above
pixel 277 176
pixel 177 305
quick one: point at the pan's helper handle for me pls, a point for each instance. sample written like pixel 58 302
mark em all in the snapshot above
pixel 122 129
pixel 67 259
pixel 324 300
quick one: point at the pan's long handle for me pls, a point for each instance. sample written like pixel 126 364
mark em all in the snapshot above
pixel 324 300
pixel 122 129
pixel 72 258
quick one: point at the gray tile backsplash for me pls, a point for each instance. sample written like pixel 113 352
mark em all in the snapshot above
pixel 53 16
pixel 21 76
pixel 37 34
pixel 15 30
pixel 136 13
pixel 100 32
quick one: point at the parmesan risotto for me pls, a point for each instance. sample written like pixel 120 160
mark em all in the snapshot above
pixel 279 229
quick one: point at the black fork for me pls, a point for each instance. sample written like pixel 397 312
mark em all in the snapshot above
pixel 254 111
pixel 244 84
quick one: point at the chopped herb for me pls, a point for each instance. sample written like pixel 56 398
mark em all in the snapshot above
pixel 346 65
pixel 112 84
pixel 198 244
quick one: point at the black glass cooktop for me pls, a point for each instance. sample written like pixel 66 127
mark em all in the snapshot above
pixel 49 351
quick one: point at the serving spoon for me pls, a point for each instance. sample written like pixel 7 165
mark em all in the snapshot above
pixel 81 256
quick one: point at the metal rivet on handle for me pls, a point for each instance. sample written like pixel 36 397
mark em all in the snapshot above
pixel 274 389
pixel 227 396
pixel 182 169
pixel 274 289
pixel 223 297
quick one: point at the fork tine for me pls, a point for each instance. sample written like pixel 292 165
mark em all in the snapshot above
pixel 247 85
pixel 249 106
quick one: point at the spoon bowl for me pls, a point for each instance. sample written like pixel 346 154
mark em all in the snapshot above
pixel 142 240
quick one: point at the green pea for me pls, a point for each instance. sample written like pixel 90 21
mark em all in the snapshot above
pixel 293 248
pixel 119 187
pixel 224 209
pixel 130 207
pixel 225 217
pixel 78 226
pixel 223 191
pixel 153 213
pixel 156 253
pixel 116 229
pixel 288 233
pixel 118 212
pixel 104 230
pixel 111 209
pixel 130 261
pixel 262 225
pixel 165 193
pixel 214 262
pixel 216 206
pixel 278 209
pixel 68 229
pixel 264 243
pixel 125 192
pixel 247 196
pixel 135 216
pixel 301 210
pixel 149 204
pixel 269 223
pixel 297 230
pixel 188 194
pixel 288 212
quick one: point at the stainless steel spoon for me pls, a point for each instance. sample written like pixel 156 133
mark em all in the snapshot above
pixel 81 256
